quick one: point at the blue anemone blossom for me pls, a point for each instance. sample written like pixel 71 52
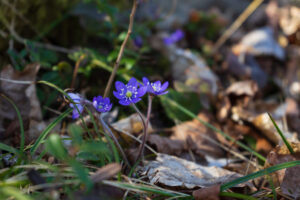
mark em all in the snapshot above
pixel 102 104
pixel 155 88
pixel 77 110
pixel 174 37
pixel 129 93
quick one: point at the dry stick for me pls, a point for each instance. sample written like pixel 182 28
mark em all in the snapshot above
pixel 19 39
pixel 117 63
pixel 237 23
pixel 76 70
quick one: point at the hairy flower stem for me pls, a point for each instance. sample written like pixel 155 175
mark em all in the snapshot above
pixel 109 132
pixel 146 124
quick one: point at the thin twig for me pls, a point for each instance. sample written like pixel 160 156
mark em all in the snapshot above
pixel 237 23
pixel 76 69
pixel 117 63
pixel 17 81
pixel 19 39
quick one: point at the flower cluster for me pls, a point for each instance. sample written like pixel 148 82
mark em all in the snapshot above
pixel 174 37
pixel 78 103
pixel 127 94
pixel 133 90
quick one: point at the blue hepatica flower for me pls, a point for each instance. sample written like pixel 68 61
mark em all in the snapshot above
pixel 155 88
pixel 174 37
pixel 138 41
pixel 78 101
pixel 129 93
pixel 102 104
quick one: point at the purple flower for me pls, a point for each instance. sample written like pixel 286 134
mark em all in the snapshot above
pixel 129 93
pixel 78 107
pixel 155 88
pixel 174 37
pixel 138 41
pixel 102 104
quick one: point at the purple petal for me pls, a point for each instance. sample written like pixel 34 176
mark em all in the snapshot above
pixel 106 100
pixel 157 84
pixel 142 91
pixel 132 82
pixel 117 95
pixel 135 100
pixel 145 81
pixel 125 102
pixel 164 86
pixel 119 85
pixel 162 93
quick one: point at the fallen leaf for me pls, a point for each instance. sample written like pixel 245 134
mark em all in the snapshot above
pixel 172 171
pixel 198 137
pixel 106 172
pixel 166 145
pixel 261 42
pixel 25 98
pixel 210 193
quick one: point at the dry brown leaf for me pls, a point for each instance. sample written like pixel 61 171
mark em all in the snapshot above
pixel 210 193
pixel 131 125
pixel 25 98
pixel 280 155
pixel 166 145
pixel 106 172
pixel 198 137
pixel 242 88
pixel 172 171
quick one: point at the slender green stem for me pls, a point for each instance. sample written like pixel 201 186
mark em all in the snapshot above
pixel 107 129
pixel 144 128
pixel 22 143
pixel 145 136
pixel 281 135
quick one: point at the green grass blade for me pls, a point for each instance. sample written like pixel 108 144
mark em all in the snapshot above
pixel 145 188
pixel 8 148
pixel 259 174
pixel 236 195
pixel 281 135
pixel 14 192
pixel 48 129
pixel 208 125
pixel 22 144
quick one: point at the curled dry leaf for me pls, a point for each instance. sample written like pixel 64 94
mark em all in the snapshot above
pixel 210 193
pixel 198 137
pixel 25 98
pixel 106 172
pixel 172 171
pixel 130 125
pixel 288 179
pixel 261 42
pixel 166 145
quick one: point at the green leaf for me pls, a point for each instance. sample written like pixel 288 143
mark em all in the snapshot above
pixel 8 148
pixel 55 146
pixel 82 173
pixel 13 192
pixel 76 133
